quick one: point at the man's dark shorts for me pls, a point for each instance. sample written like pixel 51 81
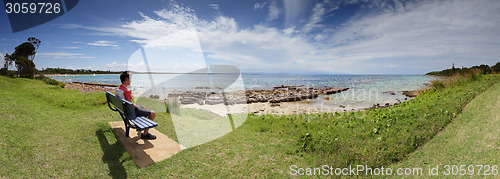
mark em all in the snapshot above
pixel 142 111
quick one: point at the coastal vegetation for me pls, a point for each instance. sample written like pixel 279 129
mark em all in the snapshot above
pixel 76 71
pixel 486 69
pixel 471 138
pixel 53 132
pixel 50 81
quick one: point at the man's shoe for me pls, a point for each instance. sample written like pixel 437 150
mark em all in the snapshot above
pixel 148 136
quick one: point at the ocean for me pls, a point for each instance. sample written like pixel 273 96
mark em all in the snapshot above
pixel 364 90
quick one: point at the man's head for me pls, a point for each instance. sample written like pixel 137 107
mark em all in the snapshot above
pixel 125 78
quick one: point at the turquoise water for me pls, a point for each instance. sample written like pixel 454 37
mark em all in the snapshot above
pixel 365 90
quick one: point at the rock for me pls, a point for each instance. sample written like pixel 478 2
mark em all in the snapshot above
pixel 200 102
pixel 188 101
pixel 411 94
pixel 213 101
pixel 154 96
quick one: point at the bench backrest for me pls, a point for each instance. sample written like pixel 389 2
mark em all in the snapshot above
pixel 123 106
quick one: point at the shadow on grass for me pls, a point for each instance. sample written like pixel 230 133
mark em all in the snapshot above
pixel 112 154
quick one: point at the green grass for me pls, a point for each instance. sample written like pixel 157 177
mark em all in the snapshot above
pixel 470 139
pixel 47 131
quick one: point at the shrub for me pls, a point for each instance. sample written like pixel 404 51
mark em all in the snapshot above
pixel 496 68
pixel 437 84
pixel 50 81
pixel 4 71
pixel 473 74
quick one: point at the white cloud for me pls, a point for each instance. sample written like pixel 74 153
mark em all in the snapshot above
pixel 274 11
pixel 114 67
pixel 103 43
pixel 430 34
pixel 65 55
pixel 317 16
pixel 214 6
pixel 417 38
pixel 258 5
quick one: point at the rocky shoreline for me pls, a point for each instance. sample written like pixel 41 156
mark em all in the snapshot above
pixel 276 95
pixel 90 87
pixel 279 100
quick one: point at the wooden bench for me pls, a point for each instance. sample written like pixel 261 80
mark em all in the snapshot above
pixel 127 112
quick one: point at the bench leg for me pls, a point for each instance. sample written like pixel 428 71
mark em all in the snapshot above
pixel 127 130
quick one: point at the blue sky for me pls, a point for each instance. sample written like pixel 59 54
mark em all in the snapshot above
pixel 273 36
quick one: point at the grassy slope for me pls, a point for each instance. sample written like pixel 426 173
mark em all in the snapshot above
pixel 470 139
pixel 47 131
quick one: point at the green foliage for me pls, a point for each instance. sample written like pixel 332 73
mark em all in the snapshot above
pixel 36 43
pixel 4 71
pixel 25 67
pixel 50 81
pixel 438 84
pixel 26 49
pixel 485 69
pixel 23 58
pixel 77 71
pixel 496 67
pixel 467 139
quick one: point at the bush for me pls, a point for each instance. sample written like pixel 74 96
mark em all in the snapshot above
pixel 50 81
pixel 473 74
pixel 437 84
pixel 496 67
pixel 4 71
pixel 11 73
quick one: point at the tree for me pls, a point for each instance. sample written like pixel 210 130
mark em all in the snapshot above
pixel 485 68
pixel 23 57
pixel 36 43
pixel 496 67
pixel 7 62
pixel 25 67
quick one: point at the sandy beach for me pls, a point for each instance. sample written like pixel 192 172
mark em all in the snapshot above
pixel 283 108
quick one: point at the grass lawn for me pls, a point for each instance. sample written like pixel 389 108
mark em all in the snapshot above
pixel 47 131
pixel 473 138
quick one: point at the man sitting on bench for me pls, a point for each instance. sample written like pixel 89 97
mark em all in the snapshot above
pixel 124 93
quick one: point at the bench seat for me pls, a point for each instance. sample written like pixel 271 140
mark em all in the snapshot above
pixel 143 123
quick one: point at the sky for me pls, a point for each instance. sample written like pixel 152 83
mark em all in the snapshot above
pixel 273 36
